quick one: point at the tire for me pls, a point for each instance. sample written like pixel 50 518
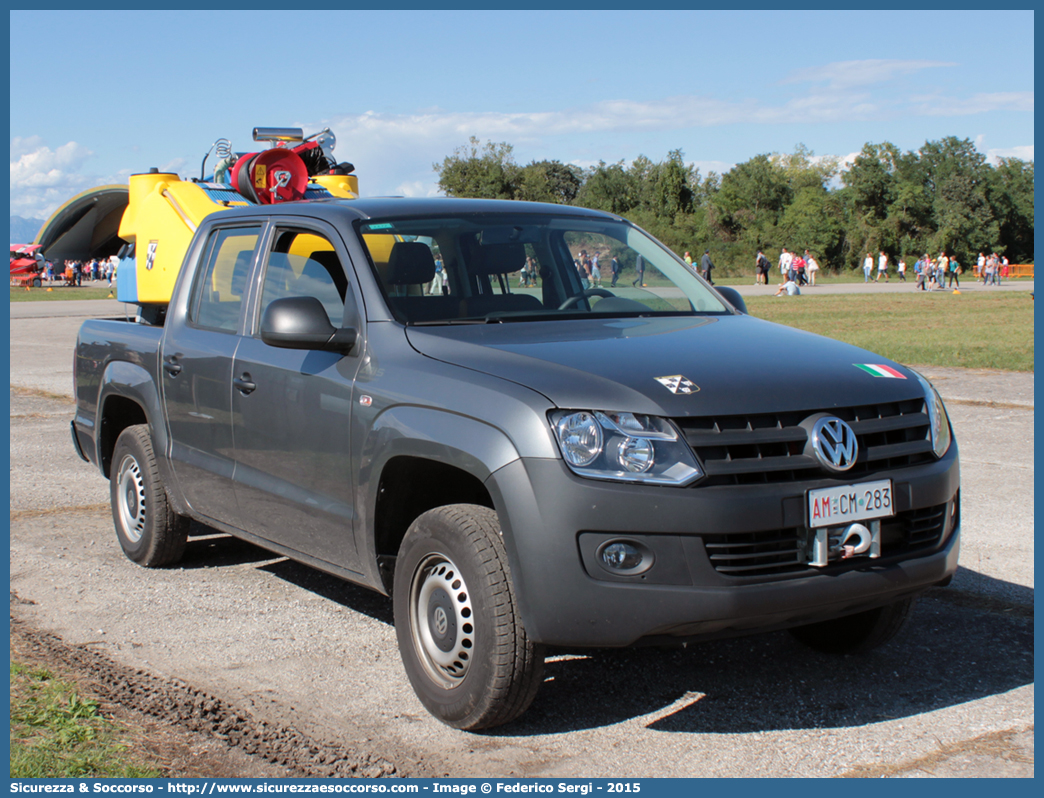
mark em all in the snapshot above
pixel 854 634
pixel 37 282
pixel 457 622
pixel 150 532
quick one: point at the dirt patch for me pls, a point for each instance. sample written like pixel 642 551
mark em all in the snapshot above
pixel 983 403
pixel 150 742
pixel 18 515
pixel 1002 745
pixel 189 732
pixel 38 393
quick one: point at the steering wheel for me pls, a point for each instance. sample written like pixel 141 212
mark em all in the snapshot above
pixel 590 292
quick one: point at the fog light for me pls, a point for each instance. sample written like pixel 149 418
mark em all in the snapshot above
pixel 621 556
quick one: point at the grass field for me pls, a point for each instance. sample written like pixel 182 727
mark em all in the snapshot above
pixel 57 733
pixel 61 292
pixel 993 331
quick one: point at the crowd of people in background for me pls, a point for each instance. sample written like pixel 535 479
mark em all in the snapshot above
pixel 588 267
pixel 931 274
pixel 944 272
pixel 939 273
pixel 77 272
pixel 796 270
pixel 991 268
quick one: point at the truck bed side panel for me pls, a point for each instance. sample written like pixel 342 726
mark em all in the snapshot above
pixel 114 357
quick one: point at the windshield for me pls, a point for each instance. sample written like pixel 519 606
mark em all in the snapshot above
pixel 502 267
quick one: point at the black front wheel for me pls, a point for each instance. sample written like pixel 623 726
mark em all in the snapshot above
pixel 460 636
pixel 149 531
pixel 854 634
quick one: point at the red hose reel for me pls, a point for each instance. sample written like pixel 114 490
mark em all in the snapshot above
pixel 276 175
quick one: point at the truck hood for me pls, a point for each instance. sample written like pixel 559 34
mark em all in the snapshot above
pixel 738 364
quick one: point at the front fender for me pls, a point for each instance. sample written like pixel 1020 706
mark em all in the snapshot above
pixel 456 440
pixel 441 436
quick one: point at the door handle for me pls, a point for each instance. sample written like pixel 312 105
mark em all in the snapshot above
pixel 172 367
pixel 244 384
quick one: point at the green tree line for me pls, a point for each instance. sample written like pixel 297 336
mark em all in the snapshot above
pixel 943 197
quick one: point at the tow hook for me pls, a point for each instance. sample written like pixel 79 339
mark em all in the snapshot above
pixel 832 544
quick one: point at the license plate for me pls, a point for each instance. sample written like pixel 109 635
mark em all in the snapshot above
pixel 847 503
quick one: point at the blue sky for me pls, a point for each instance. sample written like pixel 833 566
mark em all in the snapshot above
pixel 119 92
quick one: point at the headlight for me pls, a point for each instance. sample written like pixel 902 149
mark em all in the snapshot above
pixel 938 422
pixel 580 437
pixel 624 446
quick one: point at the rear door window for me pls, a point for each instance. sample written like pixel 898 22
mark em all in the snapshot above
pixel 221 285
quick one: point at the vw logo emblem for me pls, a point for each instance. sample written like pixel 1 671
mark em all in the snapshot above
pixel 441 621
pixel 834 444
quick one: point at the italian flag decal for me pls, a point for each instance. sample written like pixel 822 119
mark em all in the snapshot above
pixel 880 371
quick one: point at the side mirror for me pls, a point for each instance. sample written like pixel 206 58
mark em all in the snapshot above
pixel 300 322
pixel 733 297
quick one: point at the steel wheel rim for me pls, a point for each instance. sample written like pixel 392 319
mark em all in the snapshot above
pixel 130 499
pixel 442 621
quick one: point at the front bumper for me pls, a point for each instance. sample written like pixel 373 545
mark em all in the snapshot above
pixel 553 521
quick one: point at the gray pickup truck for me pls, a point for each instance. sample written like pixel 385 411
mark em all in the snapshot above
pixel 530 425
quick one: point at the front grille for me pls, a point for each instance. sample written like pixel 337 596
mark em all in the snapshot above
pixel 770 447
pixel 782 551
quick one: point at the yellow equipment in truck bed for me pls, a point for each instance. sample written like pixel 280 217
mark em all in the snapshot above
pixel 161 212
pixel 162 215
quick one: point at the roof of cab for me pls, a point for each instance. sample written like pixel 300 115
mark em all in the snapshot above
pixel 402 207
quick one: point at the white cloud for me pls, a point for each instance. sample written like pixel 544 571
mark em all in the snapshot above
pixel 42 178
pixel 846 74
pixel 706 167
pixel 175 166
pixel 583 163
pixel 976 104
pixel 43 166
pixel 381 143
pixel 613 115
pixel 847 160
pixel 395 153
pixel 1023 153
pixel 418 188
pixel 439 132
pixel 24 146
